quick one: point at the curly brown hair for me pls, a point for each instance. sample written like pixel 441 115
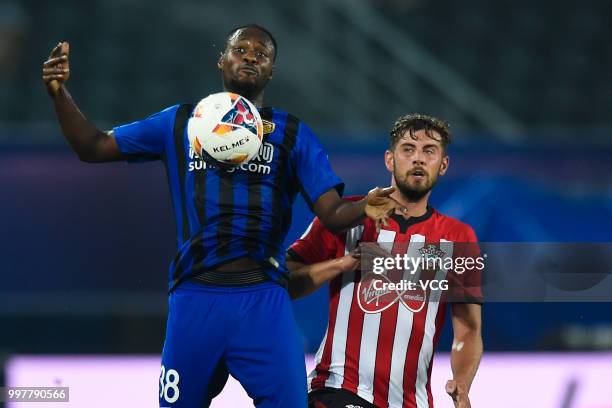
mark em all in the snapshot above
pixel 414 122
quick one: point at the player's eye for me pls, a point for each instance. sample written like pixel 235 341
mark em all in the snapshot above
pixel 239 50
pixel 261 54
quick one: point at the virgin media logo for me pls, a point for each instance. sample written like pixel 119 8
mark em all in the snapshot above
pixel 378 292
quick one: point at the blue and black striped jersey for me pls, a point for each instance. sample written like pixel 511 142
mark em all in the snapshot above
pixel 222 215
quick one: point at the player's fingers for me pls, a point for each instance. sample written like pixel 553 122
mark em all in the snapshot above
pixel 372 249
pixel 374 200
pixel 353 263
pixel 55 61
pixel 384 221
pixel 65 48
pixel 385 192
pixel 56 50
pixel 378 196
pixel 373 192
pixel 397 205
pixel 55 71
pixel 54 77
pixel 401 208
pixel 364 250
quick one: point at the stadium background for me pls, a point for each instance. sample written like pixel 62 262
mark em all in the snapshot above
pixel 526 86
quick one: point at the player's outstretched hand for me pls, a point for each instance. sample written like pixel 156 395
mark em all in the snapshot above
pixel 56 69
pixel 367 252
pixel 379 205
pixel 350 262
pixel 458 391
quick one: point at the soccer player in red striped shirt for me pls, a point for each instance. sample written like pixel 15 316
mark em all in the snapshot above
pixel 379 344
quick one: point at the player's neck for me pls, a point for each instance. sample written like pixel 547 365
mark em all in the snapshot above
pixel 413 208
pixel 256 100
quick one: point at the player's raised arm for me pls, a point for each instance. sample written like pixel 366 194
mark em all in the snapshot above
pixel 466 351
pixel 90 143
pixel 338 214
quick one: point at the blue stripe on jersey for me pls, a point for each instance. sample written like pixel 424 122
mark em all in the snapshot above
pixel 174 162
pixel 171 167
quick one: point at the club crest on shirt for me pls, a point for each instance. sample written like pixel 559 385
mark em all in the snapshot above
pixel 433 257
pixel 268 127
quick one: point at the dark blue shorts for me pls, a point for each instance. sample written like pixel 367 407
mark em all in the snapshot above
pixel 249 332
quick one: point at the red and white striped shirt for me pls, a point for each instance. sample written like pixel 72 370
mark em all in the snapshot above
pixel 383 351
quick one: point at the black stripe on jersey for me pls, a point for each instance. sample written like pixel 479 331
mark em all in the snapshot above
pixel 226 212
pixel 197 245
pixel 254 197
pixel 289 137
pixel 180 121
pixel 200 192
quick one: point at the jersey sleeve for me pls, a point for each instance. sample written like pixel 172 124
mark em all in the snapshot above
pixel 312 167
pixel 145 139
pixel 468 266
pixel 317 244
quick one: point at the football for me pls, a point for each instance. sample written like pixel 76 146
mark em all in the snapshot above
pixel 225 129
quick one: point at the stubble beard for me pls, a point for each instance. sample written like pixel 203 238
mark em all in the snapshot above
pixel 413 193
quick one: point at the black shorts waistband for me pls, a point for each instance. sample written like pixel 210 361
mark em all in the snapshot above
pixel 230 278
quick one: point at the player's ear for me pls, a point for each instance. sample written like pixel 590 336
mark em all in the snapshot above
pixel 444 165
pixel 389 160
pixel 220 60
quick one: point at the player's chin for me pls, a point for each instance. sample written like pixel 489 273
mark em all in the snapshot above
pixel 419 188
pixel 418 184
pixel 245 86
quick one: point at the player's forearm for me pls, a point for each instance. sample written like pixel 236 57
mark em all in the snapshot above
pixel 465 356
pixel 305 279
pixel 81 134
pixel 346 214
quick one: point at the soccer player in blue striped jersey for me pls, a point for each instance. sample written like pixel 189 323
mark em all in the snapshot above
pixel 229 311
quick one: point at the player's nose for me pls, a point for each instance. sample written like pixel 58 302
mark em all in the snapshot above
pixel 418 157
pixel 417 160
pixel 250 58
